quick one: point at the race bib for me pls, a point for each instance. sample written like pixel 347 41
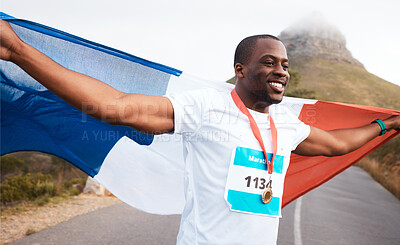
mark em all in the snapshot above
pixel 247 180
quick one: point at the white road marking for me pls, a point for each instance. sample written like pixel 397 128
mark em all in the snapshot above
pixel 297 215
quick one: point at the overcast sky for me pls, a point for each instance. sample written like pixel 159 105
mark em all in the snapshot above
pixel 200 37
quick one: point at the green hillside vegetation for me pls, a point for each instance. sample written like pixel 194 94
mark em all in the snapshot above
pixel 342 82
pixel 38 177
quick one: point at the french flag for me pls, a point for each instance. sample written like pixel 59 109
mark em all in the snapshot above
pixel 142 170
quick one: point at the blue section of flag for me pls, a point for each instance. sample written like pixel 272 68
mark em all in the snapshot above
pixel 251 158
pixel 33 118
pixel 252 203
pixel 5 16
pixel 75 39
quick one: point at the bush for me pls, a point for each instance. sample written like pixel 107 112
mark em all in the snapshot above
pixel 42 189
pixel 26 187
pixel 293 89
pixel 74 191
pixel 42 200
pixel 9 164
pixel 69 183
pixel 30 231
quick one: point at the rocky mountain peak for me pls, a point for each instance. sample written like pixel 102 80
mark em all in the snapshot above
pixel 314 36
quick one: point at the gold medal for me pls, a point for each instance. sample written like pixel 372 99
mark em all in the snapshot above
pixel 267 195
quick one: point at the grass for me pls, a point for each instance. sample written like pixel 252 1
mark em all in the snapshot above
pixel 16 209
pixel 25 206
pixel 387 176
pixel 42 201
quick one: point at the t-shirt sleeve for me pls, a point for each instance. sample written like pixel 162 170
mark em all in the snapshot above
pixel 302 132
pixel 189 109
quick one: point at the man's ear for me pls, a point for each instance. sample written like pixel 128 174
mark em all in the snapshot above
pixel 240 70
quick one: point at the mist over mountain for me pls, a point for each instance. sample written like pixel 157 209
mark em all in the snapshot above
pixel 313 36
pixel 317 52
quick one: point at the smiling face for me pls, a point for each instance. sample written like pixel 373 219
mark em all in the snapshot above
pixel 262 80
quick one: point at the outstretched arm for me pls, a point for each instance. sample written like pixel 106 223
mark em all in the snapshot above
pixel 150 114
pixel 342 141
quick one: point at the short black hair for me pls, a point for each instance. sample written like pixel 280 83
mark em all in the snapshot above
pixel 246 47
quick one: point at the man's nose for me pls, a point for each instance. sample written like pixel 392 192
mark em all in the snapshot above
pixel 280 71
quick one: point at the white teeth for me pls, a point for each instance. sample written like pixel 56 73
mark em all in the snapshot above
pixel 278 85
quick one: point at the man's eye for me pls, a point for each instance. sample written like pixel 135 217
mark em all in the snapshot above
pixel 269 63
pixel 286 67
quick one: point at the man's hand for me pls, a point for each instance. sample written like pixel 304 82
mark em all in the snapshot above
pixel 342 141
pixel 10 43
pixel 393 122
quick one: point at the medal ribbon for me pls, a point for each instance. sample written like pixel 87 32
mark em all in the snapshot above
pixel 256 131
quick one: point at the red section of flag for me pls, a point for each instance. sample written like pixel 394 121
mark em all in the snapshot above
pixel 307 173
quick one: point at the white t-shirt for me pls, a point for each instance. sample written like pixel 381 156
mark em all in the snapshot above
pixel 212 128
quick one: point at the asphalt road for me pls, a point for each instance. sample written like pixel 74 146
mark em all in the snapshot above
pixel 350 209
